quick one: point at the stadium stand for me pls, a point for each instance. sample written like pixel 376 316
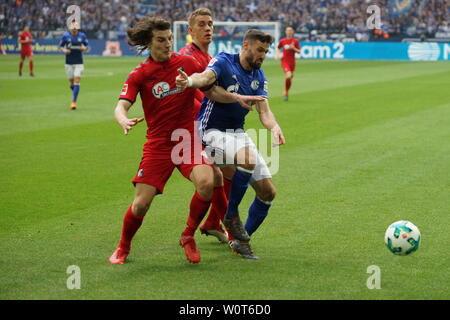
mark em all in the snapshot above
pixel 312 19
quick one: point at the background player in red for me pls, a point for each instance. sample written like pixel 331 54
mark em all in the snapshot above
pixel 201 31
pixel 166 109
pixel 290 47
pixel 25 41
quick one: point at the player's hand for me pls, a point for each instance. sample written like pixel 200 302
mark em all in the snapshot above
pixel 278 136
pixel 66 51
pixel 247 102
pixel 83 48
pixel 128 124
pixel 181 80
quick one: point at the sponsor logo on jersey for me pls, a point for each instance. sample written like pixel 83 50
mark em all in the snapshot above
pixel 162 89
pixel 140 173
pixel 234 87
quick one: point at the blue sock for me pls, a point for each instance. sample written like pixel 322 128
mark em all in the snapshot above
pixel 256 214
pixel 239 185
pixel 76 89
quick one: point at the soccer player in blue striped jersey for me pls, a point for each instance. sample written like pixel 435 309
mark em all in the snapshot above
pixel 221 129
pixel 73 43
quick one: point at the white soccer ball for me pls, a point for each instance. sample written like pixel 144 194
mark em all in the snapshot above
pixel 402 238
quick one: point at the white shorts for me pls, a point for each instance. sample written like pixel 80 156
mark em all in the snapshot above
pixel 221 147
pixel 74 70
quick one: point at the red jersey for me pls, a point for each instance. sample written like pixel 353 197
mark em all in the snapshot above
pixel 165 107
pixel 26 36
pixel 288 53
pixel 203 58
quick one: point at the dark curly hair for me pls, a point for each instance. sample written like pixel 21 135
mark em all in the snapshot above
pixel 141 34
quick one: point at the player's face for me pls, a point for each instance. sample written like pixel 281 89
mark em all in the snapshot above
pixel 202 29
pixel 289 32
pixel 256 53
pixel 161 45
pixel 26 29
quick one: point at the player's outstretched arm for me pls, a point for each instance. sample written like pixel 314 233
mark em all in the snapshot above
pixel 268 120
pixel 121 115
pixel 219 94
pixel 196 80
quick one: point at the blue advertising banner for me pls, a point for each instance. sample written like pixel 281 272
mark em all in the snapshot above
pixel 414 51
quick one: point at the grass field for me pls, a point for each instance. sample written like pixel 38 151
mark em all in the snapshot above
pixel 367 145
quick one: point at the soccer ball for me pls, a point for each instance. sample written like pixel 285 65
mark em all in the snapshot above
pixel 402 238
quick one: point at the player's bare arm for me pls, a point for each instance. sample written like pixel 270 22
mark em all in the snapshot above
pixel 196 80
pixel 219 94
pixel 121 115
pixel 64 50
pixel 268 120
pixel 293 47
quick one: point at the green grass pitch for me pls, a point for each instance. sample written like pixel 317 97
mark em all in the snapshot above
pixel 367 145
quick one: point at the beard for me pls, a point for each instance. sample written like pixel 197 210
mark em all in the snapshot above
pixel 252 63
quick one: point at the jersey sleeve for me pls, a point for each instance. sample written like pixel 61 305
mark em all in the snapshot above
pixel 85 41
pixel 280 44
pixel 63 42
pixel 297 44
pixel 131 87
pixel 217 65
pixel 263 88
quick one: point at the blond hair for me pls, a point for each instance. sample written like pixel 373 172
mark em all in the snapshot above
pixel 199 12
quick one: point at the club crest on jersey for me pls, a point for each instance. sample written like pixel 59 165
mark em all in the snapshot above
pixel 254 85
pixel 162 89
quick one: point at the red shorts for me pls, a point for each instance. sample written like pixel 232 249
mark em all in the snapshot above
pixel 26 53
pixel 288 66
pixel 159 161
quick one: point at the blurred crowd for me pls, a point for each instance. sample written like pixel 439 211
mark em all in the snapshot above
pixel 424 17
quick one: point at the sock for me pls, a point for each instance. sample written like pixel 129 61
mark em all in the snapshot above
pixel 219 204
pixel 31 66
pixel 76 90
pixel 20 66
pixel 239 186
pixel 256 214
pixel 131 224
pixel 287 84
pixel 198 208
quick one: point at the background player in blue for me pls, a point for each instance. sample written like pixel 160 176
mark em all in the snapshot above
pixel 221 129
pixel 73 44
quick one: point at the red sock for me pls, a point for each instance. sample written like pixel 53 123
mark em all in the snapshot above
pixel 287 83
pixel 197 212
pixel 219 204
pixel 131 224
pixel 20 66
pixel 31 66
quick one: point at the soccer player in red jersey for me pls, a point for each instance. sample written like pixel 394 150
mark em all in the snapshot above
pixel 290 47
pixel 201 31
pixel 167 110
pixel 25 41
